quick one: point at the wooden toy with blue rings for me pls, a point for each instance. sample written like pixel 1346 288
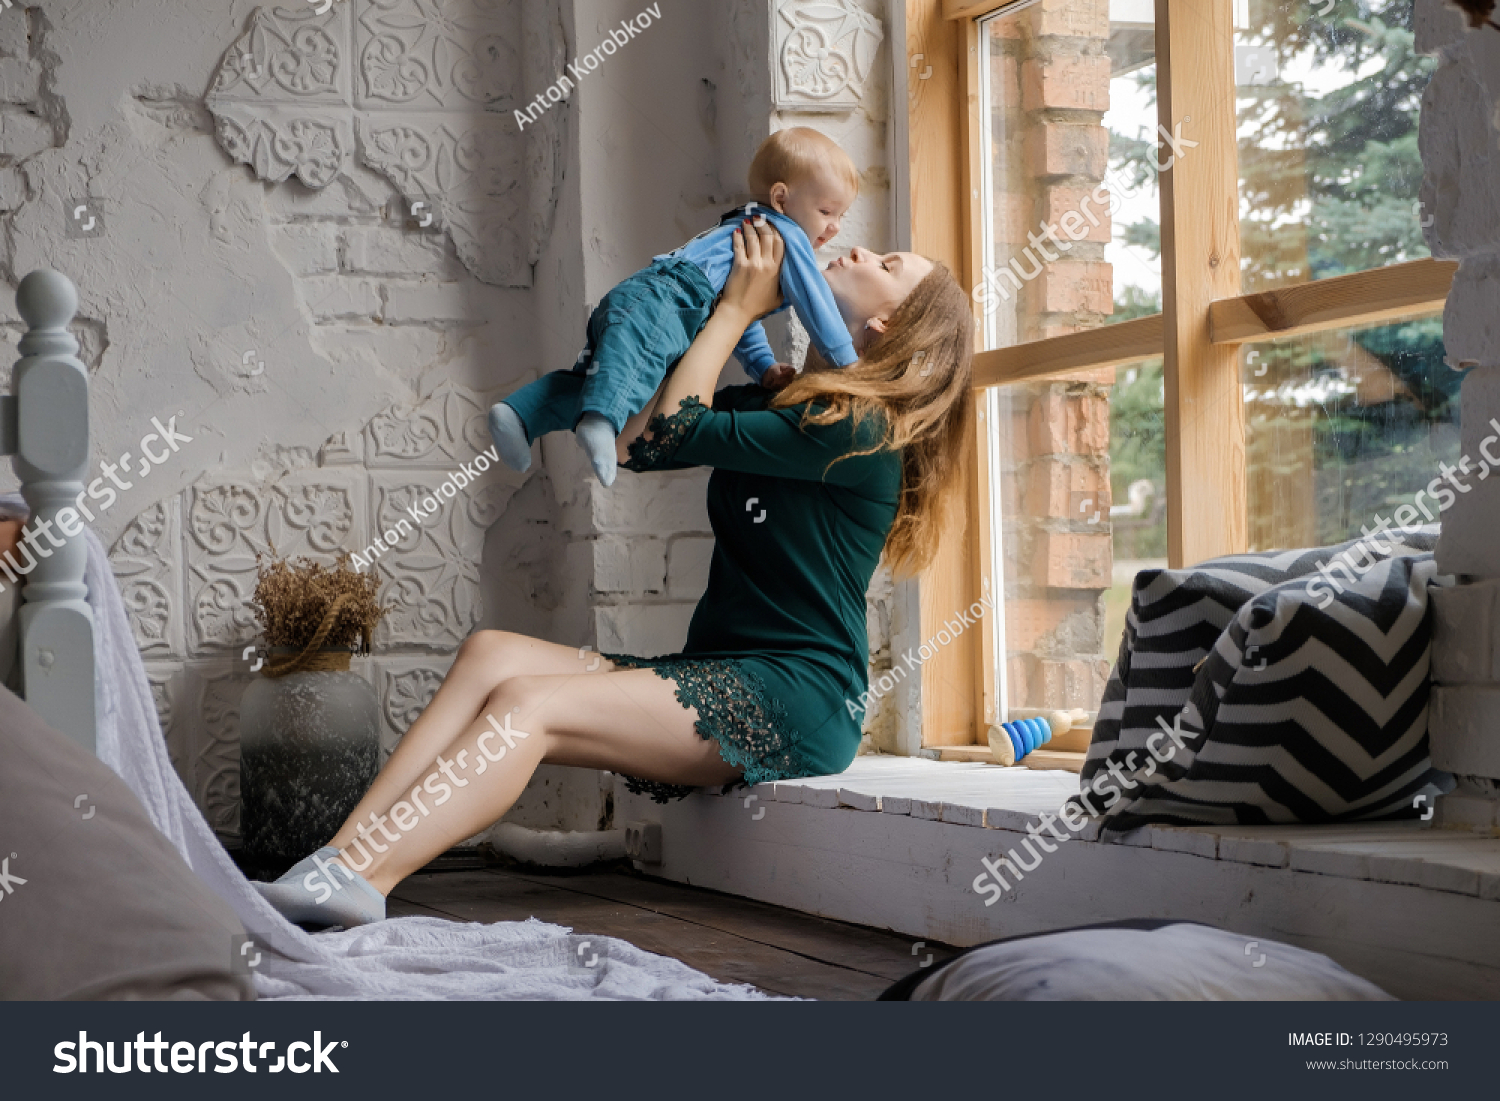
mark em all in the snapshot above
pixel 1043 730
pixel 1010 742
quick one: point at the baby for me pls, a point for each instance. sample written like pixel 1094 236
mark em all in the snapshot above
pixel 803 183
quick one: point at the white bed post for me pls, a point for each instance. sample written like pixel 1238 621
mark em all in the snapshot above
pixel 51 387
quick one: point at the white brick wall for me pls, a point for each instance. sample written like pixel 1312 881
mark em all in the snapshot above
pixel 334 298
pixel 391 251
pixel 1461 192
pixel 425 303
pixel 307 249
pixel 644 630
pixel 1466 634
pixel 634 567
pixel 688 561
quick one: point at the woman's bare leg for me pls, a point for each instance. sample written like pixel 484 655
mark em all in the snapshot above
pixel 625 721
pixel 485 659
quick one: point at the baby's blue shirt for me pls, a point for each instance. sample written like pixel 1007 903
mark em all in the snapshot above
pixel 802 286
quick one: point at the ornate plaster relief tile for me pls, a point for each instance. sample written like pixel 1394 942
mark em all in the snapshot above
pixel 165 679
pixel 421 91
pixel 448 427
pixel 279 143
pixel 436 53
pixel 431 576
pixel 289 55
pixel 342 449
pixel 208 731
pixel 147 564
pixel 823 53
pixel 406 687
pixel 468 175
pixel 318 515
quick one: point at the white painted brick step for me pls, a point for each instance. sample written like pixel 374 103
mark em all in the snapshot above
pixel 1464 865
pixel 1010 799
pixel 961 793
pixel 1270 845
pixel 1402 852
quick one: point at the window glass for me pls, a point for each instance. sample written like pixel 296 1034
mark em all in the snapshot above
pixel 1071 207
pixel 1329 97
pixel 1070 242
pixel 1138 488
pixel 1343 427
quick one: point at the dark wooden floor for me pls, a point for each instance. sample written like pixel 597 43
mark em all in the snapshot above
pixel 732 939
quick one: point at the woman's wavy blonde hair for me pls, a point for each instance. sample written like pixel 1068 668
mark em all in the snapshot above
pixel 915 378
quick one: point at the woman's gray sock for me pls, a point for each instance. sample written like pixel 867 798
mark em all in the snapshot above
pixel 328 893
pixel 597 438
pixel 306 864
pixel 510 439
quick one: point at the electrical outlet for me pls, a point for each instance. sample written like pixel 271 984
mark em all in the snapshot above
pixel 643 841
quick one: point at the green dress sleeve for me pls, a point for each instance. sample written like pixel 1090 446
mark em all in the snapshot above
pixel 740 434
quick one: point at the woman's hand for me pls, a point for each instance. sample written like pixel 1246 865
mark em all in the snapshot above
pixel 754 285
pixel 778 377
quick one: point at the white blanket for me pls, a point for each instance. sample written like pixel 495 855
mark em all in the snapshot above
pixel 410 957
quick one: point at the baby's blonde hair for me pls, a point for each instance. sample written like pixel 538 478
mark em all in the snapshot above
pixel 791 156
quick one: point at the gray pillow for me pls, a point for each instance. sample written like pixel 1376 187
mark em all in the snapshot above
pixel 94 902
pixel 1144 961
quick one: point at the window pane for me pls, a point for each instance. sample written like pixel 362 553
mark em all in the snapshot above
pixel 1071 236
pixel 1138 488
pixel 1070 242
pixel 1079 478
pixel 1344 427
pixel 1328 108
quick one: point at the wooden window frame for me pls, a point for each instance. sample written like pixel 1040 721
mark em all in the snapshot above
pixel 1204 316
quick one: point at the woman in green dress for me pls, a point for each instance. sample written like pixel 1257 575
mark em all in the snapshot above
pixel 811 486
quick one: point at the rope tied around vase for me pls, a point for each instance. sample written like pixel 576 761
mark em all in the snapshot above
pixel 314 617
pixel 313 658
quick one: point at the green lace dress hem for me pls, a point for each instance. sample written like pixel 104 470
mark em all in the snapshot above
pixel 734 709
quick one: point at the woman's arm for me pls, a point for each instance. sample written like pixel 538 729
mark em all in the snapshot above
pixel 753 290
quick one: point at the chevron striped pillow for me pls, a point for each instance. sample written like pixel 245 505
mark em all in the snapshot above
pixel 1311 707
pixel 1175 618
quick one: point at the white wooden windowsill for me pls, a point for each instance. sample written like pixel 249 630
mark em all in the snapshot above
pixel 898 842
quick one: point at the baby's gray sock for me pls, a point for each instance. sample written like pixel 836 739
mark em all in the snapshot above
pixel 509 435
pixel 329 893
pixel 597 438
